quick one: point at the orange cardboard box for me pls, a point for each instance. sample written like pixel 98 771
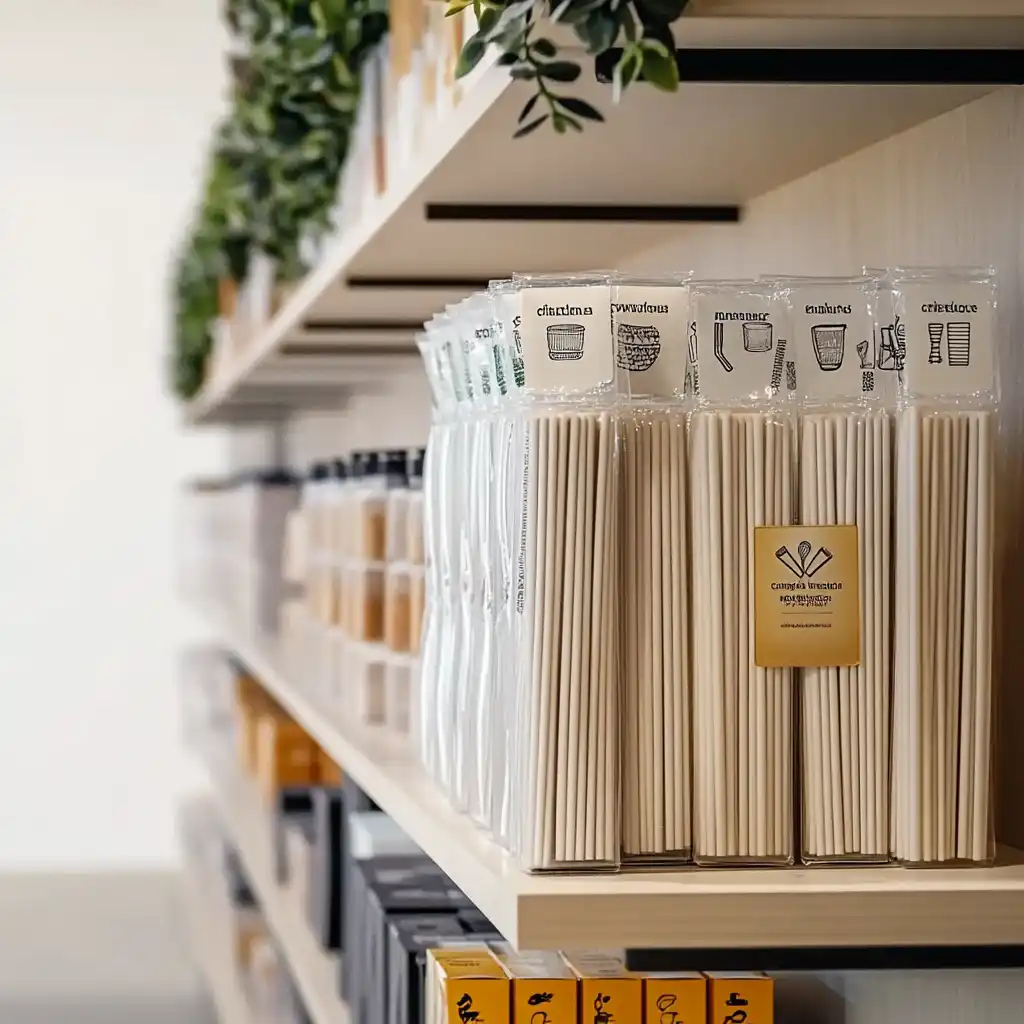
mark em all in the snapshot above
pixel 676 998
pixel 466 986
pixel 329 773
pixel 545 990
pixel 608 993
pixel 286 756
pixel 737 998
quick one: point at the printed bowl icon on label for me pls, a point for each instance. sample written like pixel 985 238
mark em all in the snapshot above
pixel 565 341
pixel 638 347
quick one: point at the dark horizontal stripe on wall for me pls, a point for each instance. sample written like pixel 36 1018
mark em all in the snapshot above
pixel 795 66
pixel 343 349
pixel 368 326
pixel 827 958
pixel 419 283
pixel 584 213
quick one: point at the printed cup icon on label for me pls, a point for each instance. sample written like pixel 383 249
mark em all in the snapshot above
pixel 757 336
pixel 829 341
pixel 935 332
pixel 958 340
pixel 565 341
pixel 638 347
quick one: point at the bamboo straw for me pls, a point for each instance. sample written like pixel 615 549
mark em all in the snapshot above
pixel 844 728
pixel 943 693
pixel 741 471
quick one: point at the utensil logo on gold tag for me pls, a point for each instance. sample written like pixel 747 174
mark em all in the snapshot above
pixel 806 596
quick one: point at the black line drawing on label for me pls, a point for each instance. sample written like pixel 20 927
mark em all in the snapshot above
pixel 935 333
pixel 757 336
pixel 565 341
pixel 867 355
pixel 800 567
pixel 785 556
pixel 829 343
pixel 892 346
pixel 719 345
pixel 638 347
pixel 691 341
pixel 958 343
pixel 821 558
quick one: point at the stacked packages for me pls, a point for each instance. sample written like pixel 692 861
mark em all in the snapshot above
pixel 699 550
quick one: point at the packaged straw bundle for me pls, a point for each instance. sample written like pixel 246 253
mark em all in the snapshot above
pixel 845 462
pixel 442 625
pixel 942 785
pixel 566 800
pixel 741 465
pixel 650 319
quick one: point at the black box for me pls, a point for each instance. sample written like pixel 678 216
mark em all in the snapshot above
pixel 354 876
pixel 360 877
pixel 475 923
pixel 325 883
pixel 409 938
pixel 294 805
pixel 425 896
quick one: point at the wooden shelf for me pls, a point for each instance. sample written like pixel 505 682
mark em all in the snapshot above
pixel 209 930
pixel 313 969
pixel 717 142
pixel 695 909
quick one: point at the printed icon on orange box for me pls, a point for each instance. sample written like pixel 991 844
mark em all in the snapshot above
pixel 602 1015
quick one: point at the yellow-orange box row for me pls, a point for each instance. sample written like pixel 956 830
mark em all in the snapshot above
pixel 470 986
pixel 273 748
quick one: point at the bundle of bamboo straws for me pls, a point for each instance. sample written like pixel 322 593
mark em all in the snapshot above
pixel 741 465
pixel 845 479
pixel 570 747
pixel 656 784
pixel 943 662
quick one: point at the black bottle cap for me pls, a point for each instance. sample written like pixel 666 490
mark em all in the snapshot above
pixel 396 467
pixel 371 463
pixel 340 469
pixel 416 464
pixel 274 478
pixel 319 471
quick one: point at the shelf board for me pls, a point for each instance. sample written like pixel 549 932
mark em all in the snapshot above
pixel 211 941
pixel 313 969
pixel 716 144
pixel 694 909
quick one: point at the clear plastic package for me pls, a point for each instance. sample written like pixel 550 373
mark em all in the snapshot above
pixel 565 804
pixel 945 565
pixel 650 318
pixel 414 547
pixel 846 395
pixel 741 457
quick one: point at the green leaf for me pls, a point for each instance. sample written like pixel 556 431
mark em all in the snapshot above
pixel 560 71
pixel 455 6
pixel 473 49
pixel 530 126
pixel 523 73
pixel 544 47
pixel 508 59
pixel 558 121
pixel 660 68
pixel 558 13
pixel 626 70
pixel 486 21
pixel 581 108
pixel 628 23
pixel 530 104
pixel 598 32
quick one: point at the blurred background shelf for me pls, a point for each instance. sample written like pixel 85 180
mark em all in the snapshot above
pixel 313 969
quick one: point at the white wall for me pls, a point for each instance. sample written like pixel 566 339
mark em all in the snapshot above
pixel 105 112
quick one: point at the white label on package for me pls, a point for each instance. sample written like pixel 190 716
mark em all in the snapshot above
pixel 944 334
pixel 835 345
pixel 736 346
pixel 650 324
pixel 567 339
